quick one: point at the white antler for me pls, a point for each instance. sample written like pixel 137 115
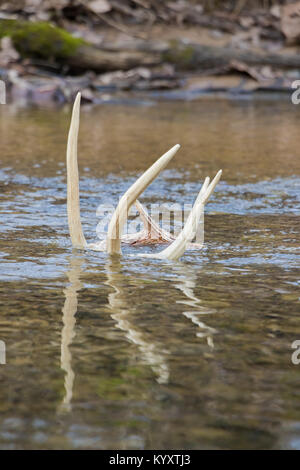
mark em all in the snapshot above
pixel 178 247
pixel 115 228
pixel 73 208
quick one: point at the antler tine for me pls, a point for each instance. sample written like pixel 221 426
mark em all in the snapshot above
pixel 73 208
pixel 114 233
pixel 212 185
pixel 151 226
pixel 178 247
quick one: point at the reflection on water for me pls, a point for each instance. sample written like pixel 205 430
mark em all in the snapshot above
pixel 188 277
pixel 152 353
pixel 118 353
pixel 68 332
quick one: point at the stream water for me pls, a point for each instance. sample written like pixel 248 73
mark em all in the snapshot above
pixel 125 353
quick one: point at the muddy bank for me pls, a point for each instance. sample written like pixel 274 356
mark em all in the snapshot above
pixel 47 62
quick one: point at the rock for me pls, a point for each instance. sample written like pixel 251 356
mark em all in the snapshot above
pixel 8 53
pixel 35 90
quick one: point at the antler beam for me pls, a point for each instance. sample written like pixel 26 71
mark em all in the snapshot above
pixel 152 233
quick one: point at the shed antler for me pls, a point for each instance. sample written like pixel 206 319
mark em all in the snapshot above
pixel 152 233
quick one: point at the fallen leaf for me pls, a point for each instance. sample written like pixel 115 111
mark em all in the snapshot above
pixel 246 22
pixel 290 21
pixel 259 74
pixel 275 11
pixel 99 6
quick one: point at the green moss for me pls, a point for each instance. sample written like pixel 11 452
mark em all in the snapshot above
pixel 179 54
pixel 40 40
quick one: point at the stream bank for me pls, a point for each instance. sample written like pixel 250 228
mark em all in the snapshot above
pixel 235 54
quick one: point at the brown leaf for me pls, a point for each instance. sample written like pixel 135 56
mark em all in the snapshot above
pixel 246 22
pixel 275 11
pixel 260 74
pixel 290 21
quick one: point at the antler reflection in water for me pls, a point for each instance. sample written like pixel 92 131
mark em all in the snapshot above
pixel 187 282
pixel 68 332
pixel 117 302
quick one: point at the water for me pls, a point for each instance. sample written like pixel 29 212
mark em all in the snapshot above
pixel 133 354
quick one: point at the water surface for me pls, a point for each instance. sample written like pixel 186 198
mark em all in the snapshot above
pixel 117 353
